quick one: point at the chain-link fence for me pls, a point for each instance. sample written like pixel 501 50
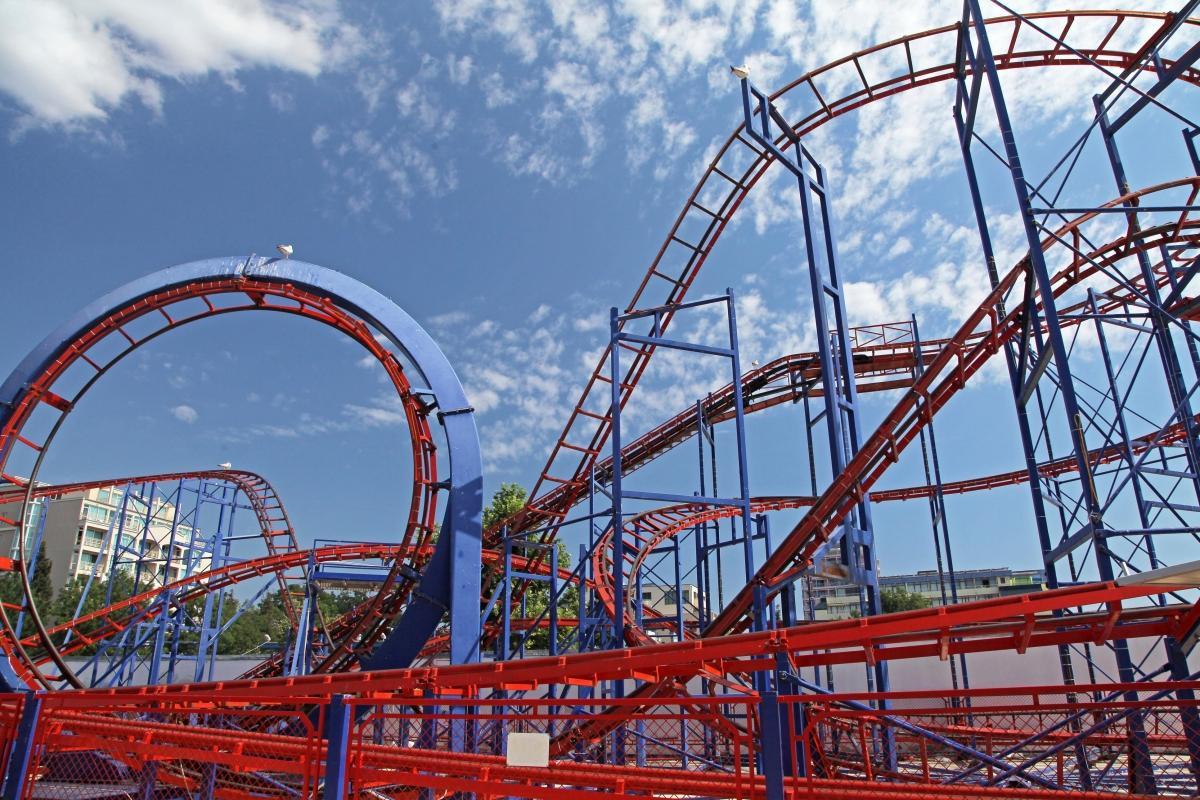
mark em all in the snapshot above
pixel 200 749
pixel 1142 739
pixel 678 743
pixel 1095 741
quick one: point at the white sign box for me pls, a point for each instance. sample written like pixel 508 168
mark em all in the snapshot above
pixel 528 749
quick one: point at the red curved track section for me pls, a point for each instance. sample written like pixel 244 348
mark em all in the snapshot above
pixel 945 376
pixel 145 606
pixel 84 362
pixel 129 723
pixel 980 337
pixel 277 532
pixel 740 164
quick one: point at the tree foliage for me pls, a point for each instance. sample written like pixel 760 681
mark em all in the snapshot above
pixel 43 589
pixel 897 598
pixel 39 582
pixel 508 500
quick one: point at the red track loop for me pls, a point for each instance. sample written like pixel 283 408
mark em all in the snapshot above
pixel 166 310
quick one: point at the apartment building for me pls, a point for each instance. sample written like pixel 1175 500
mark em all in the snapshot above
pixel 835 600
pixel 87 531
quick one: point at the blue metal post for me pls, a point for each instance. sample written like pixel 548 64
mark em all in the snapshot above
pixel 21 756
pixel 842 423
pixel 618 519
pixel 937 514
pixel 552 643
pixel 337 748
pixel 739 423
pixel 1160 321
pixel 770 744
pixel 984 67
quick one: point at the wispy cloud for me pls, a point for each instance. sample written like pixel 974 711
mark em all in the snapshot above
pixel 71 64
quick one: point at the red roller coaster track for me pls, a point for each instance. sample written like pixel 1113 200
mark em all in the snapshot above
pixel 139 725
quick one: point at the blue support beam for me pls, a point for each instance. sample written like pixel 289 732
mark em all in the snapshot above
pixel 843 426
pixel 21 755
pixel 337 747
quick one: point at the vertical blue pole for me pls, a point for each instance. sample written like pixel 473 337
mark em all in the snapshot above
pixel 937 511
pixel 618 535
pixel 1189 138
pixel 506 608
pixel 771 748
pixel 553 642
pixel 337 749
pixel 1159 319
pixel 1142 773
pixel 679 615
pixel 739 420
pixel 618 520
pixel 21 757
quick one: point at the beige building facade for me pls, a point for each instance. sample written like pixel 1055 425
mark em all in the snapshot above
pixel 87 531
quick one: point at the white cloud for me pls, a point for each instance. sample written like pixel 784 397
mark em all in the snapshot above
pixel 575 85
pixel 900 247
pixel 385 413
pixel 185 413
pixel 281 101
pixel 68 62
pixel 460 69
pixel 364 156
pixel 449 319
pixel 495 93
pixel 592 323
pixel 511 20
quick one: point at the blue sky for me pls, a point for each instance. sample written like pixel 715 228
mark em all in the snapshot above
pixel 505 172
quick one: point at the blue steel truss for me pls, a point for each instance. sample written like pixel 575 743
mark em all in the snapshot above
pixel 843 426
pixel 1104 515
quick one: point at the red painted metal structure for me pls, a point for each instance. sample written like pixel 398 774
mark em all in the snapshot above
pixel 692 718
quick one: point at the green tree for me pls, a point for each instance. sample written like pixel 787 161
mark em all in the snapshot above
pixel 12 593
pixel 40 583
pixel 508 500
pixel 264 622
pixel 67 602
pixel 897 598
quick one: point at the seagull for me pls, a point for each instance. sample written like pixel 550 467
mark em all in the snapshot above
pixel 285 250
pixel 741 72
pixel 226 465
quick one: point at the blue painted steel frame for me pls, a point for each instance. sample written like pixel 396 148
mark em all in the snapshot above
pixel 451 581
pixel 841 414
pixel 619 338
pixel 1043 337
pixel 21 755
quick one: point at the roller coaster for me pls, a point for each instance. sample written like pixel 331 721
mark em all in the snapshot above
pixel 475 661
